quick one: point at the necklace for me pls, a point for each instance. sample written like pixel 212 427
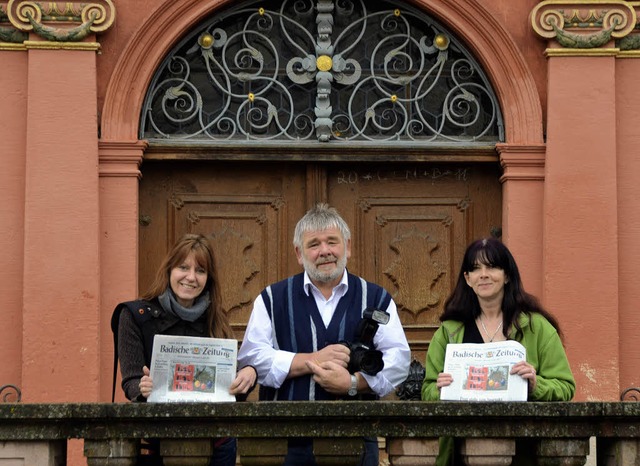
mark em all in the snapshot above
pixel 487 333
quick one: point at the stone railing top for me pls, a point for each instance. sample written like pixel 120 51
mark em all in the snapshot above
pixel 26 421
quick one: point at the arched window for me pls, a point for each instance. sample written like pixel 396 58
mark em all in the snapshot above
pixel 321 71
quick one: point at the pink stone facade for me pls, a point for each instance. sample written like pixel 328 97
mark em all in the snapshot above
pixel 71 157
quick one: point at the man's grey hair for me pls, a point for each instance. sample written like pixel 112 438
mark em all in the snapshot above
pixel 318 218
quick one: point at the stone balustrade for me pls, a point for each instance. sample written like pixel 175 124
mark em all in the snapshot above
pixel 559 432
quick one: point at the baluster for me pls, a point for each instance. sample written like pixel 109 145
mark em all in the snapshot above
pixel 186 452
pixel 262 451
pixel 488 451
pixel 565 452
pixel 111 452
pixel 412 451
pixel 618 451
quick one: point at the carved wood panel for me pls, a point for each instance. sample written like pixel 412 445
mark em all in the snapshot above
pixel 239 228
pixel 410 224
pixel 245 211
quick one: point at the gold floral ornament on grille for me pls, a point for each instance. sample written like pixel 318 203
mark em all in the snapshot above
pixel 324 63
pixel 441 42
pixel 206 41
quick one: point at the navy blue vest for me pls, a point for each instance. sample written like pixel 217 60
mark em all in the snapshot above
pixel 299 328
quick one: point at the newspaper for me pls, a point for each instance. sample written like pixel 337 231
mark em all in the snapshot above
pixel 192 368
pixel 481 372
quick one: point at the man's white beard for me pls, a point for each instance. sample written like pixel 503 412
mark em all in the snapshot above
pixel 325 277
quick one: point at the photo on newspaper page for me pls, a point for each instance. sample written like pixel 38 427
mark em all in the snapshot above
pixel 192 368
pixel 481 372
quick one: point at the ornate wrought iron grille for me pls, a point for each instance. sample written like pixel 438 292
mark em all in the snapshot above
pixel 304 70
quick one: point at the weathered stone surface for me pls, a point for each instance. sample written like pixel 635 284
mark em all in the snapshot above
pixel 488 451
pixel 563 428
pixel 111 452
pixel 318 419
pixel 34 453
pixel 186 452
pixel 412 451
pixel 612 451
pixel 262 451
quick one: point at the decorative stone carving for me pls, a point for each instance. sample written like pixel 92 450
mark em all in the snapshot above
pixel 10 393
pixel 583 24
pixel 9 33
pixel 73 21
pixel 629 43
pixel 630 394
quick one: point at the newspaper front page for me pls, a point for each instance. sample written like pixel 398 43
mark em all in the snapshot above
pixel 192 368
pixel 481 372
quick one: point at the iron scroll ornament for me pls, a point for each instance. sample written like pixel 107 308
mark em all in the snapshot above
pixel 321 71
pixel 410 389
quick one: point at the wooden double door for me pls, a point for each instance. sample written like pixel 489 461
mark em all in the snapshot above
pixel 410 224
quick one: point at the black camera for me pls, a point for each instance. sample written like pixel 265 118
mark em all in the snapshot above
pixel 364 357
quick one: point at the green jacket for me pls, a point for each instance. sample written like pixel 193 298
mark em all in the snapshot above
pixel 554 381
pixel 545 352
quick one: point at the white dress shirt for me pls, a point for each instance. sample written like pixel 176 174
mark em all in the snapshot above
pixel 260 350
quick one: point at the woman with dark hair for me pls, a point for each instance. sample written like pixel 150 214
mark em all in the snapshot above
pixel 184 300
pixel 490 304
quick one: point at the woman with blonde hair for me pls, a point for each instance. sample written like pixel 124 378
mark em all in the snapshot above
pixel 184 300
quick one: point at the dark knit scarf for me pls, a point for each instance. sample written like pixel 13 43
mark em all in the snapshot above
pixel 170 304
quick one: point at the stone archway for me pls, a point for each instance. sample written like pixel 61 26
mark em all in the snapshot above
pixel 485 36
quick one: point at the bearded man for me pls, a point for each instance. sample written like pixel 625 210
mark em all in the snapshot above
pixel 296 335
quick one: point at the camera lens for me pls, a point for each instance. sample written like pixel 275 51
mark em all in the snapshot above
pixel 366 360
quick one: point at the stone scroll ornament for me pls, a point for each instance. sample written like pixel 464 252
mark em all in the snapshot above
pixel 10 394
pixel 584 24
pixel 8 33
pixel 61 22
pixel 630 394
